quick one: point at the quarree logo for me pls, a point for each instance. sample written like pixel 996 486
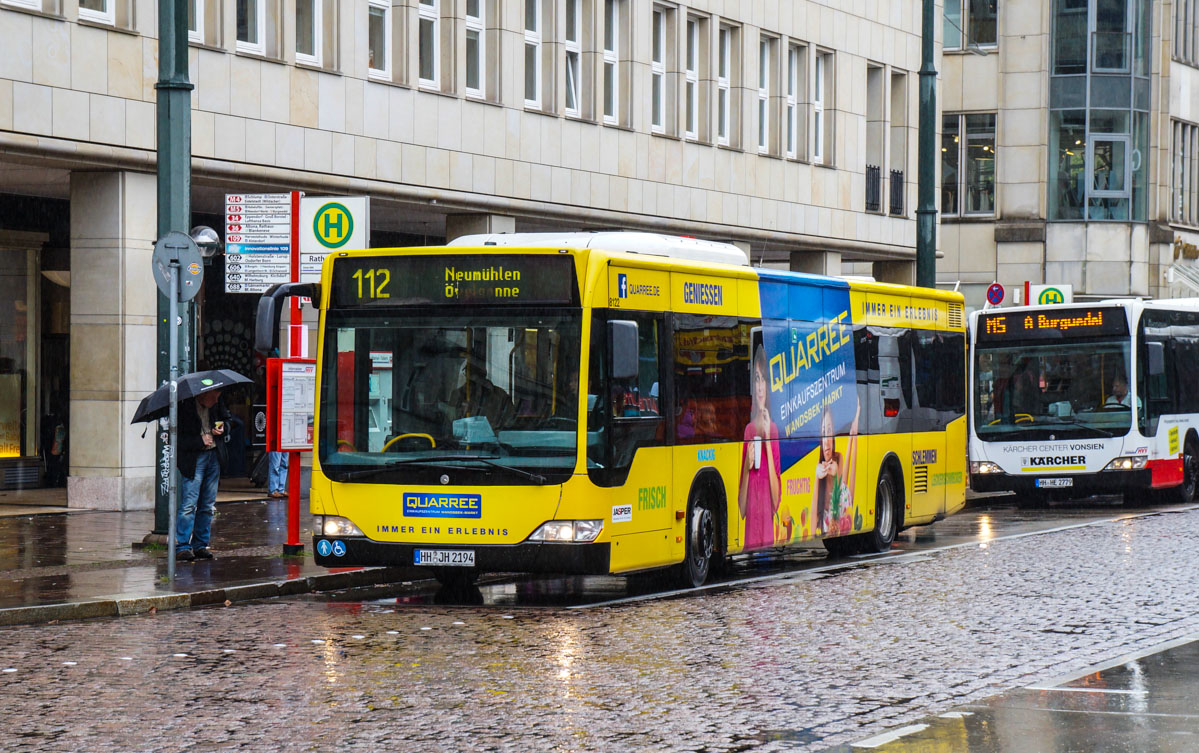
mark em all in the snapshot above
pixel 425 505
pixel 622 285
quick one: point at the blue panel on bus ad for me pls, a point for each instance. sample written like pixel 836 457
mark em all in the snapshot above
pixel 809 391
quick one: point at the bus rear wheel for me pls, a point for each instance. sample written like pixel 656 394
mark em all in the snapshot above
pixel 885 518
pixel 700 548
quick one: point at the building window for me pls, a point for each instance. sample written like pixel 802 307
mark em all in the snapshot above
pixel 691 80
pixel 195 21
pixel 476 47
pixel 972 23
pixel 724 84
pixel 1184 200
pixel 968 140
pixel 791 118
pixel 611 61
pixel 31 4
pixel 574 57
pixel 308 31
pixel 428 33
pixel 822 94
pixel 657 71
pixel 378 38
pixel 100 11
pixel 766 47
pixel 251 26
pixel 1185 25
pixel 532 53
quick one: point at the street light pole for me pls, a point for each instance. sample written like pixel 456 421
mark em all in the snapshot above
pixel 174 213
pixel 926 207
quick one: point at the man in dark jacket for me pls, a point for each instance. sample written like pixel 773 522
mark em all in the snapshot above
pixel 201 430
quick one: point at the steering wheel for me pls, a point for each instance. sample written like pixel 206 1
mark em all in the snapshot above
pixel 398 437
pixel 1024 418
pixel 345 445
pixel 1112 408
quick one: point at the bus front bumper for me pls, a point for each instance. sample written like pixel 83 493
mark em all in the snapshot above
pixel 1105 482
pixel 579 559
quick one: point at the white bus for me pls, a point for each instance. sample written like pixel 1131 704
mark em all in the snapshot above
pixel 1073 400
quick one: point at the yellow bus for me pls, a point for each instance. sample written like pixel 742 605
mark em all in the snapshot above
pixel 621 402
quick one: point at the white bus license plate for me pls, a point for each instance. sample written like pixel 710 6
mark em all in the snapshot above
pixel 1047 483
pixel 445 557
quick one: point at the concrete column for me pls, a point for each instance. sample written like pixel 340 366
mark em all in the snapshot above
pixel 898 272
pixel 816 262
pixel 112 339
pixel 458 225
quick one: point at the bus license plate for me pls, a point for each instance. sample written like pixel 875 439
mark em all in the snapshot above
pixel 1046 483
pixel 445 557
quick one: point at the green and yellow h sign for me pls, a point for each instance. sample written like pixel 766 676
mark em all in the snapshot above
pixel 333 225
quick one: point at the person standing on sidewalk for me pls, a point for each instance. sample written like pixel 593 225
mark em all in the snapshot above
pixel 201 442
pixel 277 476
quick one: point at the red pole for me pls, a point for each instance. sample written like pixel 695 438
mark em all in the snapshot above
pixel 295 350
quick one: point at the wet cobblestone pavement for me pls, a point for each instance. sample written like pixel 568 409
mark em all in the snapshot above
pixel 801 663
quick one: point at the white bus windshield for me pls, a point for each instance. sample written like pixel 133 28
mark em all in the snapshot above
pixel 1067 389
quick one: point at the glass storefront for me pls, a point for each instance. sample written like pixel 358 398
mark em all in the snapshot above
pixel 1099 110
pixel 19 311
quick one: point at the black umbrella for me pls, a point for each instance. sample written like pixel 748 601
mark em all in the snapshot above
pixel 158 403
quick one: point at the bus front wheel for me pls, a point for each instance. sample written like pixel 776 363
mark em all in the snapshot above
pixel 700 547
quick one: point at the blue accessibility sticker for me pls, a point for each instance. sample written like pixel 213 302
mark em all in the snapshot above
pixel 323 547
pixel 339 549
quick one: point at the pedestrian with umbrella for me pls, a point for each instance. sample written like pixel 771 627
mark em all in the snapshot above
pixel 202 424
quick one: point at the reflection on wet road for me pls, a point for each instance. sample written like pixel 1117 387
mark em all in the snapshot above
pixel 979 524
pixel 795 660
pixel 1140 704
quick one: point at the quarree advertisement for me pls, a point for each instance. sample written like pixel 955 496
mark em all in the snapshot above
pixel 799 465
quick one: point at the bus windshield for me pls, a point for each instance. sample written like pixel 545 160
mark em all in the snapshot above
pixel 1068 389
pixel 483 397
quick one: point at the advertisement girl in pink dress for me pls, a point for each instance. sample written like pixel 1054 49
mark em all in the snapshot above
pixel 760 488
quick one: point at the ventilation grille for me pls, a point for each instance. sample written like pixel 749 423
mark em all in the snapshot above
pixel 23 475
pixel 955 315
pixel 920 479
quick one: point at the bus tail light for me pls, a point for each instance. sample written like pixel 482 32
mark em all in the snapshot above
pixel 332 525
pixel 568 530
pixel 1127 463
pixel 983 467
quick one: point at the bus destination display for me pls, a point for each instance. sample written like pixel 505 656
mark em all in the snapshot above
pixel 454 279
pixel 1052 325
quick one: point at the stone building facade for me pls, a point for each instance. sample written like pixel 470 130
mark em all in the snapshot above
pixel 785 126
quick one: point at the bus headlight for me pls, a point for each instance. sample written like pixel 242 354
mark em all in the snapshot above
pixel 1128 463
pixel 332 525
pixel 568 530
pixel 983 467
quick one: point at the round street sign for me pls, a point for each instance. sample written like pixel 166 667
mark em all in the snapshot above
pixel 179 248
pixel 1051 295
pixel 995 294
pixel 333 225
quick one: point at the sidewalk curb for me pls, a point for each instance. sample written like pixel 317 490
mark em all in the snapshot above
pixel 128 605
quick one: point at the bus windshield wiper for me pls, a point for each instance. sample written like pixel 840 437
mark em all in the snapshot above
pixel 439 461
pixel 1073 420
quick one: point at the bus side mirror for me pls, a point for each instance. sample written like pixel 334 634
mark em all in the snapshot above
pixel 622 344
pixel 1157 358
pixel 270 308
